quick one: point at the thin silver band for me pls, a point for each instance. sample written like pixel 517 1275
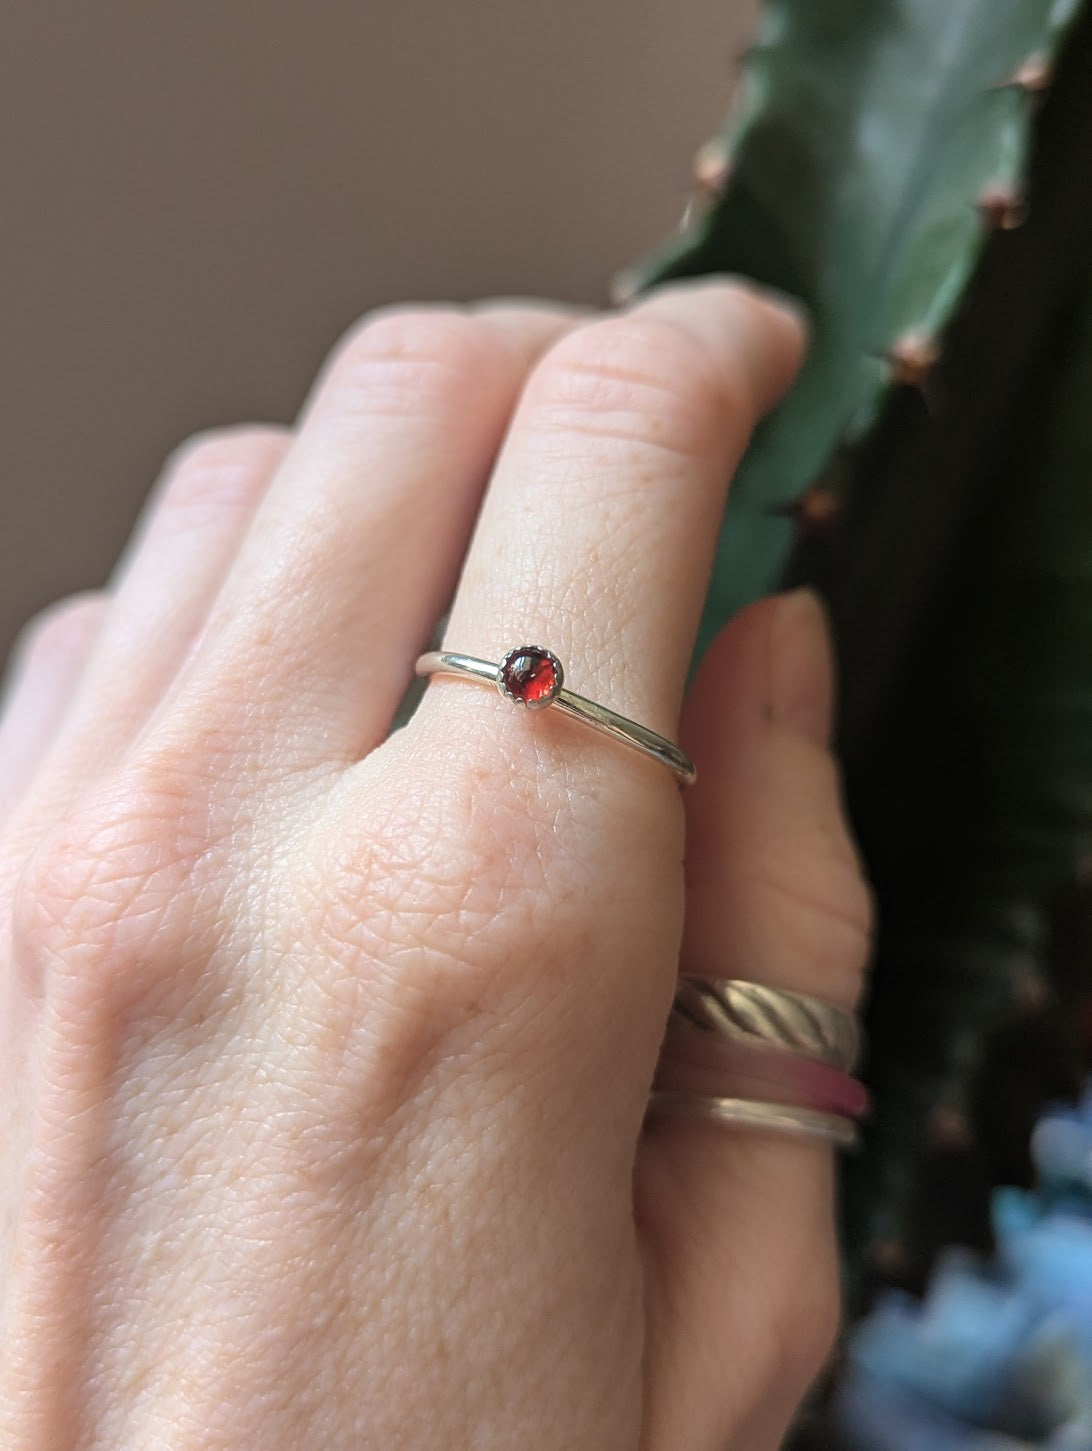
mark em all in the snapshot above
pixel 777 1118
pixel 600 717
pixel 753 1012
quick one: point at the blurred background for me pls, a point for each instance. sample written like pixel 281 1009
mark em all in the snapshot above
pixel 199 197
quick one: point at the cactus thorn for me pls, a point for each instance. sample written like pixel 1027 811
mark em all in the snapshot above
pixel 689 215
pixel 812 510
pixel 1032 76
pixel 624 287
pixel 1031 994
pixel 889 1257
pixel 948 1128
pixel 746 53
pixel 711 166
pixel 1002 207
pixel 912 359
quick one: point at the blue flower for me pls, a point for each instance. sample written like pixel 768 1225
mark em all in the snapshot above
pixel 996 1357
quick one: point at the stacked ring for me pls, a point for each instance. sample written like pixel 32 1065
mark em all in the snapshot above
pixel 752 1012
pixel 796 1047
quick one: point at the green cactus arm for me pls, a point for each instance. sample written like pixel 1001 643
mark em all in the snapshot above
pixel 975 804
pixel 868 133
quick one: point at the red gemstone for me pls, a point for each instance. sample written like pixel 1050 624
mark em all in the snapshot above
pixel 531 675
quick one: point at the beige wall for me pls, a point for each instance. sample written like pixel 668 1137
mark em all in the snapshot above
pixel 198 195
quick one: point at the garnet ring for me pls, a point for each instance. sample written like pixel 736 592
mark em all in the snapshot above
pixel 532 677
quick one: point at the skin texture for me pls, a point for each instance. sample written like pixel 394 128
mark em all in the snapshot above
pixel 327 1051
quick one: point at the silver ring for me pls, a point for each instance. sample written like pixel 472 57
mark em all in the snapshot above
pixel 752 1012
pixel 532 676
pixel 778 1118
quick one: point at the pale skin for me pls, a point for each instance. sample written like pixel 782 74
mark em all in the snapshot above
pixel 327 1051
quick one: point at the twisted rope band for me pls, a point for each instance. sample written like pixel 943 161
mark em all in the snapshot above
pixel 752 1012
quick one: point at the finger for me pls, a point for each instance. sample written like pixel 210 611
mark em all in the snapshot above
pixel 595 539
pixel 774 894
pixel 161 591
pixel 353 556
pixel 45 666
pixel 597 534
pixel 768 846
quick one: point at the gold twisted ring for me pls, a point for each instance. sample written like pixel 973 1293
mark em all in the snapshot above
pixel 748 1113
pixel 532 676
pixel 752 1012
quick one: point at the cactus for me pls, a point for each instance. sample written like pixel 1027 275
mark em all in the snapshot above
pixel 876 147
pixel 975 799
pixel 917 171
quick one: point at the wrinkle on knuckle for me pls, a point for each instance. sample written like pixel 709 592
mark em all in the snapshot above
pixel 220 470
pixel 60 627
pixel 426 928
pixel 101 900
pixel 404 363
pixel 439 867
pixel 214 448
pixel 641 384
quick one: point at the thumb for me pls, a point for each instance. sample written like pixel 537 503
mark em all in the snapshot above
pixel 739 1224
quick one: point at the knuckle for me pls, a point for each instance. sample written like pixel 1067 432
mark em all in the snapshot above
pixel 220 468
pixel 641 381
pixel 430 926
pixel 99 902
pixel 405 361
pixel 61 628
pixel 441 870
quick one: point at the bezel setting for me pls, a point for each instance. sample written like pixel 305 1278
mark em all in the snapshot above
pixel 528 695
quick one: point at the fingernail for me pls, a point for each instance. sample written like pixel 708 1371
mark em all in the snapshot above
pixel 801 678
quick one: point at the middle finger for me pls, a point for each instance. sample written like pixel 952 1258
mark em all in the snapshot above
pixel 597 533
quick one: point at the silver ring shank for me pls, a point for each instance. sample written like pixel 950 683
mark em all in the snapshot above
pixel 753 1012
pixel 599 717
pixel 775 1118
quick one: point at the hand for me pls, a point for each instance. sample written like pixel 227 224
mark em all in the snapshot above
pixel 327 1051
